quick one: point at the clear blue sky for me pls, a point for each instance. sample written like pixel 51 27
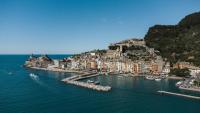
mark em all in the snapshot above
pixel 73 26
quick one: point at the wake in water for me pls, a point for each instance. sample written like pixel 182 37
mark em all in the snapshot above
pixel 36 79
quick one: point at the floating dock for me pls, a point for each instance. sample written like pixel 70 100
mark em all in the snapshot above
pixel 74 80
pixel 178 94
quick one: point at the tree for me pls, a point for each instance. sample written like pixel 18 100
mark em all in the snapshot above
pixel 181 72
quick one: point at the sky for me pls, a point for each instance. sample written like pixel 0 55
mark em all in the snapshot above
pixel 74 26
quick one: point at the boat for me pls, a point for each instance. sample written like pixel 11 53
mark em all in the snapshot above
pixel 158 79
pixel 33 76
pixel 90 81
pixel 149 77
pixel 179 83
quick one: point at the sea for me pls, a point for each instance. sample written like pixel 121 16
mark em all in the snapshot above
pixel 46 93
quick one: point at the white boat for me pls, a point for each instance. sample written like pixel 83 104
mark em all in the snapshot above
pixel 179 83
pixel 90 81
pixel 158 79
pixel 150 77
pixel 33 76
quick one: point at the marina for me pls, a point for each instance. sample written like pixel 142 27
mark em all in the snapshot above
pixel 90 84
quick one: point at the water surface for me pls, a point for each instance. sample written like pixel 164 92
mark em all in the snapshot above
pixel 20 93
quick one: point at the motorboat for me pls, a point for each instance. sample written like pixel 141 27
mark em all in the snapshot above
pixel 90 81
pixel 158 79
pixel 33 76
pixel 149 77
pixel 179 83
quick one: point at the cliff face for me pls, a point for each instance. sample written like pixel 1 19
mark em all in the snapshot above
pixel 179 42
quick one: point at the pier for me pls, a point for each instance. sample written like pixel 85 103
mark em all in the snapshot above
pixel 74 80
pixel 178 94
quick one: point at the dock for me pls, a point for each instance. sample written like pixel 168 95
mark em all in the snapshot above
pixel 178 94
pixel 74 80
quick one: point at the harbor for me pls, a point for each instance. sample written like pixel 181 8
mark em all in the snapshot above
pixel 75 80
pixel 178 94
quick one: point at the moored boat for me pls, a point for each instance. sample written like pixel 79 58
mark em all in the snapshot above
pixel 149 77
pixel 158 79
pixel 90 81
pixel 179 83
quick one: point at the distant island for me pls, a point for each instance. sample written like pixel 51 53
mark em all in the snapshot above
pixel 167 51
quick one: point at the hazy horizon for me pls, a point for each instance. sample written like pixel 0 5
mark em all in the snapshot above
pixel 74 26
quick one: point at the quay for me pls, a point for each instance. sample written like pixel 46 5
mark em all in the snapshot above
pixel 190 89
pixel 74 80
pixel 178 94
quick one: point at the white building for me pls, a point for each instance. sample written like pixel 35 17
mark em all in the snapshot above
pixel 56 63
pixel 194 71
pixel 166 69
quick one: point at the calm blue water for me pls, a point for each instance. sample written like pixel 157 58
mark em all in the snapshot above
pixel 19 93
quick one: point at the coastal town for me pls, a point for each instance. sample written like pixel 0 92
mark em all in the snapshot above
pixel 128 57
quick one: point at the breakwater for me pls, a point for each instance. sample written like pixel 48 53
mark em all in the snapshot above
pixel 75 81
pixel 178 94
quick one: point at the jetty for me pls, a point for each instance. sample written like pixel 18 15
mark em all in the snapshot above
pixel 74 80
pixel 178 94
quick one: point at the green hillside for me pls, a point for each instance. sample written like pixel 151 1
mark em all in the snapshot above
pixel 179 42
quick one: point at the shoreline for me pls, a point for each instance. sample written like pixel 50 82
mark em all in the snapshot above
pixel 86 72
pixel 190 89
pixel 175 77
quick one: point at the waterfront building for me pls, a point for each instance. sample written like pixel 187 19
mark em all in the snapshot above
pixel 182 65
pixel 194 71
pixel 74 64
pixel 93 65
pixel 166 69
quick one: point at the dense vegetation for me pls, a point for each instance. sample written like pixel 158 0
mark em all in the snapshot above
pixel 180 72
pixel 113 47
pixel 179 42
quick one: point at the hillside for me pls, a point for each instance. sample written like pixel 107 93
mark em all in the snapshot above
pixel 179 42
